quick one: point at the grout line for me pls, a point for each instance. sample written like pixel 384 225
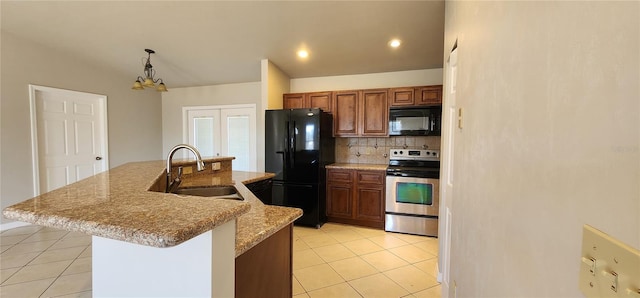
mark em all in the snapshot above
pixel 329 231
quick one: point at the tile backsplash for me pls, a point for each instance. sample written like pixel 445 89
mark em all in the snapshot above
pixel 376 150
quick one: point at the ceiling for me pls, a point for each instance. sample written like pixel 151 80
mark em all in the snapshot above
pixel 216 42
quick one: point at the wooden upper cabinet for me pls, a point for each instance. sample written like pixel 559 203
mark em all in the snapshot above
pixel 374 113
pixel 401 96
pixel 415 96
pixel 345 113
pixel 429 95
pixel 320 100
pixel 293 101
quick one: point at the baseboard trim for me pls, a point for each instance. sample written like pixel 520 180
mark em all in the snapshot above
pixel 12 225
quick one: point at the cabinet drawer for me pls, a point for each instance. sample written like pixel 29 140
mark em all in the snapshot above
pixel 339 175
pixel 371 177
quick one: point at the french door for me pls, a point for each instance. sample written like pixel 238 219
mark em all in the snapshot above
pixel 224 131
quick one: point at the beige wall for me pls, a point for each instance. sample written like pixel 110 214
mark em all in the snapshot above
pixel 274 84
pixel 551 140
pixel 227 94
pixel 369 81
pixel 134 117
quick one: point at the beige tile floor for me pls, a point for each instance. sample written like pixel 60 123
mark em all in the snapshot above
pixel 333 261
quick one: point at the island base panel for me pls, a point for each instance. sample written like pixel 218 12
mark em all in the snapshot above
pixel 266 269
pixel 200 267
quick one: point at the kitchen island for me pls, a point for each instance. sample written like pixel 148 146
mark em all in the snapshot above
pixel 123 215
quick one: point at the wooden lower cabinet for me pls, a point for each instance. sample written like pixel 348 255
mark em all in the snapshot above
pixel 266 269
pixel 356 197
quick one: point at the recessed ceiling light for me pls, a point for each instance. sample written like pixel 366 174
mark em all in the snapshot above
pixel 303 54
pixel 394 43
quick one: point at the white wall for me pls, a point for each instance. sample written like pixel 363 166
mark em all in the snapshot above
pixel 133 116
pixel 227 94
pixel 551 140
pixel 369 81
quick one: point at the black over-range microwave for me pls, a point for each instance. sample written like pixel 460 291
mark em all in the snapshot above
pixel 421 121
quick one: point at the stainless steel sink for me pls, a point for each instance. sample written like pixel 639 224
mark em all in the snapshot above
pixel 216 192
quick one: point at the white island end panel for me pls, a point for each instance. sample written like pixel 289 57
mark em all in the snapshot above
pixel 201 267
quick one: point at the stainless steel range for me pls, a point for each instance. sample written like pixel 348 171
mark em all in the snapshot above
pixel 413 195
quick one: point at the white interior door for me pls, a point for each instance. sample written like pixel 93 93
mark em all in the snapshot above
pixel 239 137
pixel 69 132
pixel 450 122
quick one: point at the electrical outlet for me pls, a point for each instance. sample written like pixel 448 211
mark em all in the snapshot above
pixel 608 268
pixel 215 166
pixel 187 170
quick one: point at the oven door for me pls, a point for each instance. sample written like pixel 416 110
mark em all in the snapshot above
pixel 412 196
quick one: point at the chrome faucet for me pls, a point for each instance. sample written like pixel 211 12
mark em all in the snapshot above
pixel 171 185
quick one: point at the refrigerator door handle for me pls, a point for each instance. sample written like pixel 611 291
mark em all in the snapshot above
pixel 287 144
pixel 293 145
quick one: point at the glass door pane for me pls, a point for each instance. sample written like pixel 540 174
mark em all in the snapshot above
pixel 203 135
pixel 204 131
pixel 238 141
pixel 239 137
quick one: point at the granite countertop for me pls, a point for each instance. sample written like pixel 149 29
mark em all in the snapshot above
pixel 358 166
pixel 117 204
pixel 261 221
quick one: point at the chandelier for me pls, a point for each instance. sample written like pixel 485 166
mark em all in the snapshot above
pixel 148 80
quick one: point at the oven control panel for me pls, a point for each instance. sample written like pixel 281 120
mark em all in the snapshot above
pixel 414 154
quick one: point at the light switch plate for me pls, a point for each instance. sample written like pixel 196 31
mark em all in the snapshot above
pixel 608 267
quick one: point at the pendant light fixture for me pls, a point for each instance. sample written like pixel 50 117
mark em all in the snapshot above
pixel 148 80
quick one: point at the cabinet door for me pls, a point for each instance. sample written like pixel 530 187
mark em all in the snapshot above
pixel 320 100
pixel 293 101
pixel 345 113
pixel 340 193
pixel 401 96
pixel 339 200
pixel 370 203
pixel 370 196
pixel 374 113
pixel 429 95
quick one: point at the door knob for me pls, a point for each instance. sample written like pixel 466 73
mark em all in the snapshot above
pixel 98 158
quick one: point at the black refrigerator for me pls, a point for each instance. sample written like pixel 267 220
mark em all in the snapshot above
pixel 298 146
